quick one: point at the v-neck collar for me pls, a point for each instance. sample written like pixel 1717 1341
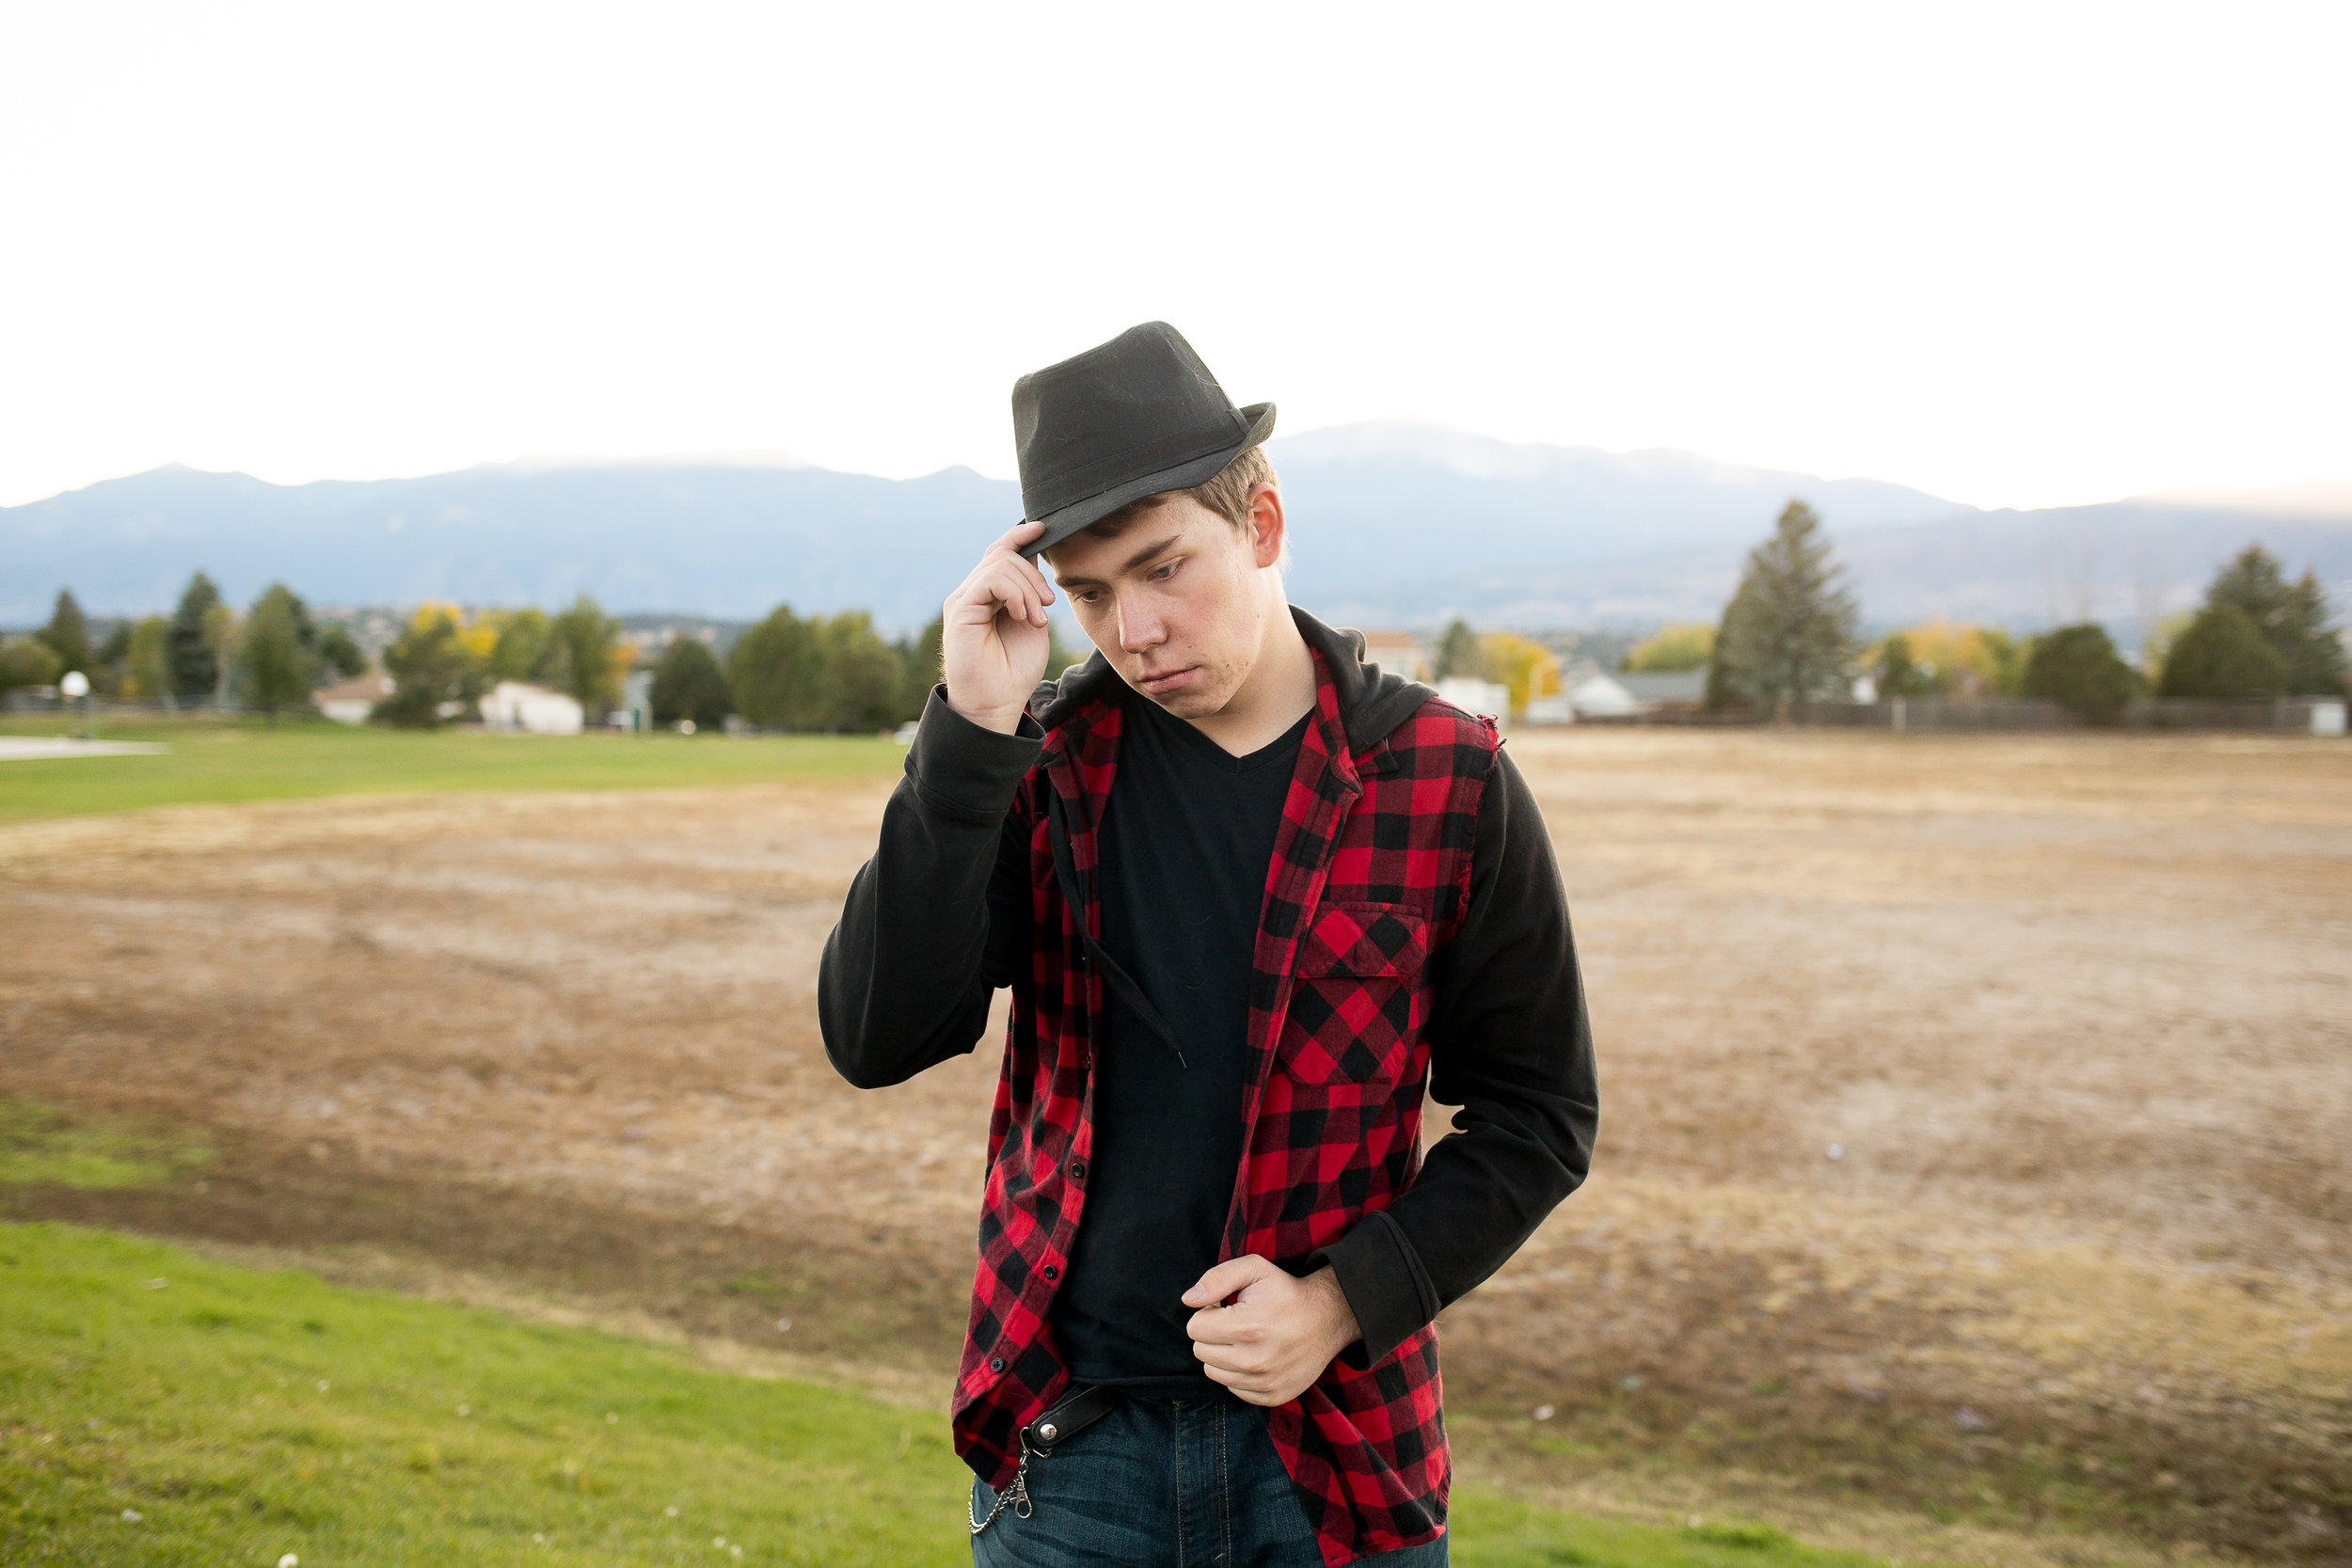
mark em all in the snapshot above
pixel 1185 734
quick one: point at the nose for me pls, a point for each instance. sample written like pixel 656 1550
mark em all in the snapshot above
pixel 1140 629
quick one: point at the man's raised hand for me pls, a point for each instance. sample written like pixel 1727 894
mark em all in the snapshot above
pixel 993 638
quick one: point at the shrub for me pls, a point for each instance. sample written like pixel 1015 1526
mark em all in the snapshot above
pixel 27 661
pixel 2079 667
pixel 688 684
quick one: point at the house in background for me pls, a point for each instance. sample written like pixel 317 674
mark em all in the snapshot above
pixel 1622 694
pixel 1659 689
pixel 1472 695
pixel 350 701
pixel 1556 709
pixel 1397 651
pixel 534 709
pixel 1603 696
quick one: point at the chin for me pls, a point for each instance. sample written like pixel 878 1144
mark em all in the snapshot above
pixel 1192 702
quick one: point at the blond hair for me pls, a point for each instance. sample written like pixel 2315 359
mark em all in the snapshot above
pixel 1226 494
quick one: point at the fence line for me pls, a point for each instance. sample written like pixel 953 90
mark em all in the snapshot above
pixel 2018 715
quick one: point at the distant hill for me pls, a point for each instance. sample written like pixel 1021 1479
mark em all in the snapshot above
pixel 1396 524
pixel 725 540
pixel 1445 494
pixel 2115 562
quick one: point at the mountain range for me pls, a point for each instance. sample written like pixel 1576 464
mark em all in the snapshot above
pixel 1392 525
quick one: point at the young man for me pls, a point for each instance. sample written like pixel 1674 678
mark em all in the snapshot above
pixel 1250 893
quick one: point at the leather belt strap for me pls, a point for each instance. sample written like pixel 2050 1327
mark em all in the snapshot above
pixel 1076 1411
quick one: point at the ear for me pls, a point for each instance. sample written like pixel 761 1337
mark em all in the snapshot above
pixel 1265 524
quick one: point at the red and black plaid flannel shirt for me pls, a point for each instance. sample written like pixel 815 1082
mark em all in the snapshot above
pixel 1370 874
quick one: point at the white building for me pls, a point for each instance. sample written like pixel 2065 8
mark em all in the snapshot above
pixel 1558 708
pixel 1599 696
pixel 1472 695
pixel 1664 688
pixel 516 705
pixel 350 701
pixel 1397 653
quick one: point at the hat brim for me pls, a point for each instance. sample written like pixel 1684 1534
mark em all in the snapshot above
pixel 1081 516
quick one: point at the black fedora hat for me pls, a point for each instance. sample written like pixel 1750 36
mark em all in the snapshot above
pixel 1135 417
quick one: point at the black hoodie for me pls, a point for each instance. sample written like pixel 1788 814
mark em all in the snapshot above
pixel 937 921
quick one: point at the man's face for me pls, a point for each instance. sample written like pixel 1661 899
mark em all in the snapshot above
pixel 1175 601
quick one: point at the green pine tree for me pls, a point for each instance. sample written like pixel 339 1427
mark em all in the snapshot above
pixel 1788 634
pixel 68 634
pixel 2290 617
pixel 2223 655
pixel 195 667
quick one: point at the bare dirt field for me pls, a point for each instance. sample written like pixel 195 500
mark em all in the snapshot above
pixel 1974 1140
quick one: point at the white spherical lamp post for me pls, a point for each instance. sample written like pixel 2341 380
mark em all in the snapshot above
pixel 75 688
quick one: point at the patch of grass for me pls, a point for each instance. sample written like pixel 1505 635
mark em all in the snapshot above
pixel 243 759
pixel 37 1144
pixel 1749 1538
pixel 225 1415
pixel 1491 1532
pixel 396 1431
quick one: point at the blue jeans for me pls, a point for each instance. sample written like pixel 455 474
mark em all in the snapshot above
pixel 1155 1485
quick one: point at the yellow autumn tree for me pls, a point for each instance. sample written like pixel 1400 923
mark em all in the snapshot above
pixel 1683 645
pixel 1528 669
pixel 476 636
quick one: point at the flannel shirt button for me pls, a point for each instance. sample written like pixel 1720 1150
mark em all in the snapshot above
pixel 1052 1272
pixel 995 1363
pixel 1077 1170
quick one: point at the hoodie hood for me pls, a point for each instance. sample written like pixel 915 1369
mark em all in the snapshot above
pixel 1373 700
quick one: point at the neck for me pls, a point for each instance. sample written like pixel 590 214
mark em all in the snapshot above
pixel 1280 691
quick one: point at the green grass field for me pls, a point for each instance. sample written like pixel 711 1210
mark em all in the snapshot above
pixel 159 1409
pixel 243 759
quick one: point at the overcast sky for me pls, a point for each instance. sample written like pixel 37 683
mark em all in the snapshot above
pixel 2013 255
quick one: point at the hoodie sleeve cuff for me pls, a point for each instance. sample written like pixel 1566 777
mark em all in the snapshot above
pixel 967 768
pixel 1386 1285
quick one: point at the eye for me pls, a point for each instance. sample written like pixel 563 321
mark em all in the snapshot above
pixel 1165 570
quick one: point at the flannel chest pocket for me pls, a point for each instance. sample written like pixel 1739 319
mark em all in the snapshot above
pixel 1355 991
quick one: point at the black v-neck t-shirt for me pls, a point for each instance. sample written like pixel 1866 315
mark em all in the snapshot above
pixel 1185 841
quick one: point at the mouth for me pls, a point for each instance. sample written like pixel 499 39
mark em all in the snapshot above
pixel 1159 686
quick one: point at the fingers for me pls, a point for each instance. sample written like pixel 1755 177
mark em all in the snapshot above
pixel 1017 536
pixel 1006 583
pixel 1214 1326
pixel 1008 548
pixel 1255 1387
pixel 1229 1278
pixel 1242 1361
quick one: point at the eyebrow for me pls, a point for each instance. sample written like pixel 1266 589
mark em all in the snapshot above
pixel 1131 562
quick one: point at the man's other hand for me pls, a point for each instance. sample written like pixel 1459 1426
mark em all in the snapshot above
pixel 1278 1334
pixel 992 634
